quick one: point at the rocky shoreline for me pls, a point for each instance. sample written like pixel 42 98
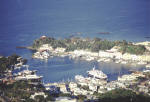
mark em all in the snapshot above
pixel 113 55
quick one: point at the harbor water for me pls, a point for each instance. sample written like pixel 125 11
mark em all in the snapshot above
pixel 22 21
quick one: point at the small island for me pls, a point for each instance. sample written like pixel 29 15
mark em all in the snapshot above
pixel 93 49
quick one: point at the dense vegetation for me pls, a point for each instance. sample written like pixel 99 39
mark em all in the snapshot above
pixel 6 63
pixel 122 95
pixel 53 42
pixel 93 45
pixel 21 91
pixel 18 91
pixel 133 49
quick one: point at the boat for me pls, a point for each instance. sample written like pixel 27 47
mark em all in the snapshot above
pixel 26 71
pixel 97 74
pixel 28 77
pixel 146 71
pixel 148 66
pixel 141 63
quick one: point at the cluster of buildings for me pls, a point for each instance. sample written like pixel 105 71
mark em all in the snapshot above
pixel 27 75
pixel 43 54
pixel 19 64
pixel 128 58
pixel 97 82
pixel 112 55
pixel 15 75
pixel 7 76
pixel 46 51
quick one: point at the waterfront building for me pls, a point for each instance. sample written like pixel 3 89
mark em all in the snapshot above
pixel 43 54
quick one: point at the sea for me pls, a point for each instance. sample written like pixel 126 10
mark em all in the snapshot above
pixel 23 21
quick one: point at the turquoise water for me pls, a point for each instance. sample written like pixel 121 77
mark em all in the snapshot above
pixel 22 21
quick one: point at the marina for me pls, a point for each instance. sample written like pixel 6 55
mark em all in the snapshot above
pixel 52 22
pixel 60 41
pixel 96 81
pixel 89 85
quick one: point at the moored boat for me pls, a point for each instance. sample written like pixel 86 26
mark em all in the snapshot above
pixel 96 74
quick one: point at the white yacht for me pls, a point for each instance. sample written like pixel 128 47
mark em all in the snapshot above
pixel 28 77
pixel 26 72
pixel 96 74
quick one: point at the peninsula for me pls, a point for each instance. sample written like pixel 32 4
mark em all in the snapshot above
pixel 93 49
